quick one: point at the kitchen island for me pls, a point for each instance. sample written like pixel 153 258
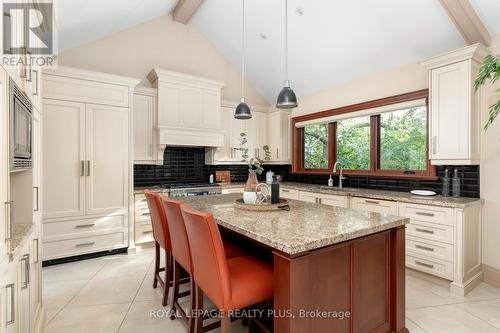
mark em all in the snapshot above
pixel 335 269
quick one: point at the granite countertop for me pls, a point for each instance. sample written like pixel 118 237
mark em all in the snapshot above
pixel 305 227
pixel 154 188
pixel 436 200
pixel 19 233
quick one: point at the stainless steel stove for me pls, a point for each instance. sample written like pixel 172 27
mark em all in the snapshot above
pixel 179 190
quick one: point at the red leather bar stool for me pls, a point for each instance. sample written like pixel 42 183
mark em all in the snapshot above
pixel 231 284
pixel 162 240
pixel 182 258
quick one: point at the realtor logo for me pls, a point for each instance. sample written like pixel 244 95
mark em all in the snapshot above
pixel 28 32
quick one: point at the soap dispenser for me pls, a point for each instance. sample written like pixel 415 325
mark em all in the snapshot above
pixel 455 184
pixel 330 181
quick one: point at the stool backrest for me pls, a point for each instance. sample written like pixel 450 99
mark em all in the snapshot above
pixel 210 268
pixel 158 219
pixel 178 233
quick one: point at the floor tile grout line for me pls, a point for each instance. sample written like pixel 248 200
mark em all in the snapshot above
pixel 130 306
pixel 415 323
pixel 453 303
pixel 481 319
pixel 53 317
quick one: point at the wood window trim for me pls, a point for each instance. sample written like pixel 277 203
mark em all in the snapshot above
pixel 375 172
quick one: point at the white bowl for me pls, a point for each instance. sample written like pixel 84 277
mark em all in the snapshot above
pixel 249 197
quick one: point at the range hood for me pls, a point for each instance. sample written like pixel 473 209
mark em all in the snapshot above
pixel 189 109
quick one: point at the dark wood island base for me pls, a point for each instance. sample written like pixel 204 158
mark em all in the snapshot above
pixel 361 280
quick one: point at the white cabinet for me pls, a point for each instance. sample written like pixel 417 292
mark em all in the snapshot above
pixel 4 166
pixel 145 140
pixel 10 307
pixel 280 136
pixel 23 292
pixel 87 162
pixel 455 126
pixel 325 199
pixel 375 205
pixel 289 193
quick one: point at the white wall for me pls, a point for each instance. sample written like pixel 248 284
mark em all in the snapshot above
pixel 490 167
pixel 160 43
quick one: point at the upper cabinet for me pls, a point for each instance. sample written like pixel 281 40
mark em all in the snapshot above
pixel 455 127
pixel 280 136
pixel 189 109
pixel 145 111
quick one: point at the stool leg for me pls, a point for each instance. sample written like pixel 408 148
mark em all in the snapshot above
pixel 199 310
pixel 157 265
pixel 225 323
pixel 168 275
pixel 192 295
pixel 176 289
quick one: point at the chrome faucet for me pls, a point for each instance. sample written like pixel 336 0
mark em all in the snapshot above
pixel 341 177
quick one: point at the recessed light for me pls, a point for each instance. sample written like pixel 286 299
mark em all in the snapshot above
pixel 263 35
pixel 299 11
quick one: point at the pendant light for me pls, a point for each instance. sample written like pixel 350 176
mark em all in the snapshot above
pixel 243 110
pixel 286 98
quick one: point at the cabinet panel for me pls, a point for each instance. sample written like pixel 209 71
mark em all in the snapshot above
pixel 210 110
pixel 191 107
pixel 450 107
pixel 107 159
pixel 289 193
pixel 169 104
pixel 4 166
pixel 308 197
pixel 143 110
pixel 62 162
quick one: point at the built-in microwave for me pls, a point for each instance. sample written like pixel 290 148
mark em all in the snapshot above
pixel 20 129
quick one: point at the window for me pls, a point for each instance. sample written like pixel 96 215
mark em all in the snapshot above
pixel 403 144
pixel 386 137
pixel 353 143
pixel 316 146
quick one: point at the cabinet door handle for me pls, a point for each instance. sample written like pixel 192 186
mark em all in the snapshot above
pixel 147 232
pixel 8 210
pixel 277 153
pixel 434 144
pixel 29 75
pixel 427 231
pixel 82 168
pixel 80 226
pixel 36 259
pixel 285 190
pixel 25 281
pixel 424 264
pixel 425 214
pixel 372 202
pixel 23 71
pixel 431 249
pixel 85 244
pixel 88 168
pixel 7 40
pixel 37 199
pixel 11 318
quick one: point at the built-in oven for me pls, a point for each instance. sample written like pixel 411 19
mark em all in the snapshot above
pixel 20 117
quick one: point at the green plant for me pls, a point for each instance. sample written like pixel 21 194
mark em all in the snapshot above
pixel 254 163
pixel 490 70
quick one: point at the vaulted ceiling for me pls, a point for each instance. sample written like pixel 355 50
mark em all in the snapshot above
pixel 330 41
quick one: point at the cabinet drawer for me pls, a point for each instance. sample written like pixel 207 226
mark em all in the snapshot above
pixel 289 193
pixel 427 213
pixel 232 190
pixel 431 231
pixel 143 233
pixel 375 205
pixel 308 197
pixel 431 249
pixel 72 227
pixel 333 200
pixel 72 247
pixel 432 266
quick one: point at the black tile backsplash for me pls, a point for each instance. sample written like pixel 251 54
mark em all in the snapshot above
pixel 188 164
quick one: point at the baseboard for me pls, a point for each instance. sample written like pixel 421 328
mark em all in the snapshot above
pixel 464 289
pixel 491 275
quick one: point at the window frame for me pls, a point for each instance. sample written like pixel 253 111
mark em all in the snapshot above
pixel 374 171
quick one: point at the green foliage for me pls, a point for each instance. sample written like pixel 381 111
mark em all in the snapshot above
pixel 316 146
pixel 403 140
pixel 254 163
pixel 490 70
pixel 353 143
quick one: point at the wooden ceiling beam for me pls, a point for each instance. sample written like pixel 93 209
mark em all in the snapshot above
pixel 185 9
pixel 467 21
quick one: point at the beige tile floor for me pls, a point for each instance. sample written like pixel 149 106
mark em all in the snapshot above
pixel 114 294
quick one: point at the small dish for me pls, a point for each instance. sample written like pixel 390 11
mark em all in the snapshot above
pixel 425 193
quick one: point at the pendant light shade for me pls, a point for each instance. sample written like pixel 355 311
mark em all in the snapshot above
pixel 243 110
pixel 286 98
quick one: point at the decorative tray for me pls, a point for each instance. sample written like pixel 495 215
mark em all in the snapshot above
pixel 264 207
